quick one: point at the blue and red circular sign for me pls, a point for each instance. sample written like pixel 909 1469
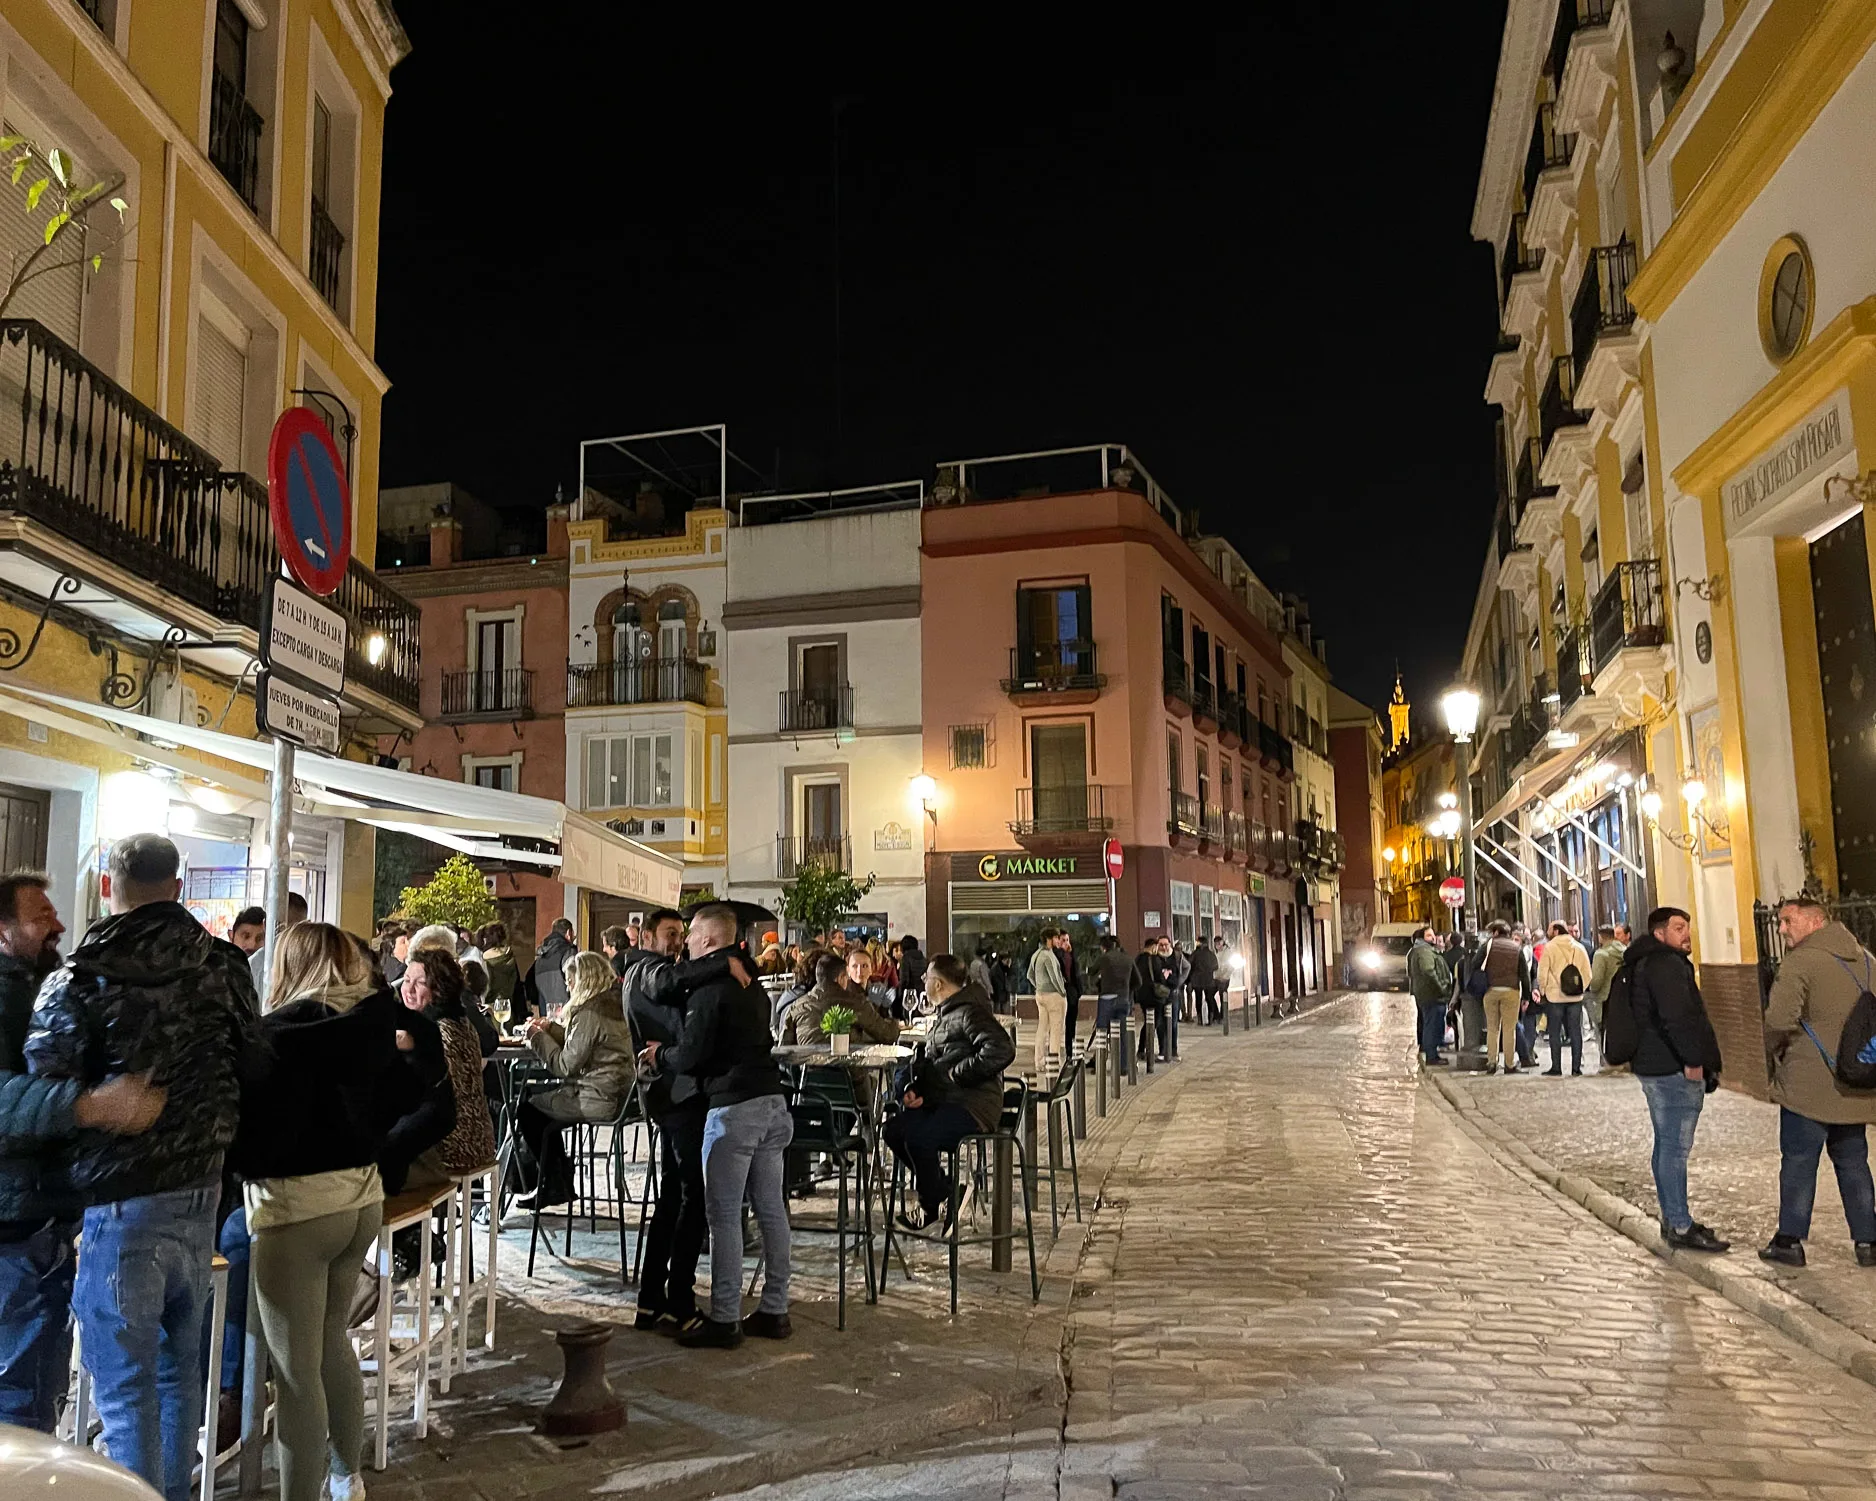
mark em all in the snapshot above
pixel 309 500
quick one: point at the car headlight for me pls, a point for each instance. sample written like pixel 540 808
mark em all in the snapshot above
pixel 1371 960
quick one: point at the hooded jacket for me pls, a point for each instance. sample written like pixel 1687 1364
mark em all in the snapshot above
pixel 150 989
pixel 966 1053
pixel 1819 980
pixel 35 1114
pixel 547 981
pixel 1559 954
pixel 1670 1018
pixel 1429 978
pixel 801 1022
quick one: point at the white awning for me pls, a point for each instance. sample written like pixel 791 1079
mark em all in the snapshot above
pixel 458 815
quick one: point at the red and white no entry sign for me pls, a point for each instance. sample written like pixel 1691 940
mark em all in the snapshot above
pixel 1111 858
pixel 1453 891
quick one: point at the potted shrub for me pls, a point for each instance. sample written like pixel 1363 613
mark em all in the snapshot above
pixel 837 1023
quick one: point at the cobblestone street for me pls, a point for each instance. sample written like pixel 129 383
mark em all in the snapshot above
pixel 1307 1279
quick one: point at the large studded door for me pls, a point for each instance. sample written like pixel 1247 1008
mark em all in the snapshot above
pixel 1846 662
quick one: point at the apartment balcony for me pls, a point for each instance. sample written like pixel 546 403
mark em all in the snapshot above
pixel 1575 672
pixel 1211 829
pixel 1176 680
pixel 325 254
pixel 1204 705
pixel 1053 673
pixel 1237 836
pixel 1183 827
pixel 817 711
pixel 1628 637
pixel 1052 819
pixel 95 9
pixel 1257 846
pixel 1526 278
pixel 125 520
pixel 664 680
pixel 1583 62
pixel 234 137
pixel 502 693
pixel 1274 749
pixel 1540 507
pixel 1602 329
pixel 795 852
pixel 1551 184
pixel 1562 430
pixel 1230 719
pixel 1504 377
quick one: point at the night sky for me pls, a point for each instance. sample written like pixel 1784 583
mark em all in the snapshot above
pixel 1245 252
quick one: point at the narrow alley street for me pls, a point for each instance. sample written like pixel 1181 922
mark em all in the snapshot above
pixel 1306 1279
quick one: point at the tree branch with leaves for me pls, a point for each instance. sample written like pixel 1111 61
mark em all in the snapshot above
pixel 69 208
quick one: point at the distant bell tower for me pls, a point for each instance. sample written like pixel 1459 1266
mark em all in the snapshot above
pixel 1397 712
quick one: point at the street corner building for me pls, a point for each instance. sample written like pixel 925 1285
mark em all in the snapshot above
pixel 1672 634
pixel 1094 668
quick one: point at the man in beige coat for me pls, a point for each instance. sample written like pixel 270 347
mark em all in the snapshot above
pixel 1562 995
pixel 1823 972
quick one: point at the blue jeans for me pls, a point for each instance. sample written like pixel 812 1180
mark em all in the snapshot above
pixel 1566 1023
pixel 742 1152
pixel 36 1325
pixel 1800 1139
pixel 1674 1103
pixel 1108 1010
pixel 1432 1029
pixel 235 1247
pixel 920 1138
pixel 142 1299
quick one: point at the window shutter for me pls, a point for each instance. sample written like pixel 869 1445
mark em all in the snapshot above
pixel 596 789
pixel 54 298
pixel 221 382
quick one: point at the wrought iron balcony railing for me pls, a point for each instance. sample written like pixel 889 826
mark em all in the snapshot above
pixel 1079 809
pixel 325 254
pixel 1185 814
pixel 1628 610
pixel 1602 305
pixel 1517 256
pixel 1237 835
pixel 499 693
pixel 83 457
pixel 1572 17
pixel 663 680
pixel 1274 746
pixel 234 137
pixel 794 852
pixel 1053 667
pixel 1550 147
pixel 812 709
pixel 1556 408
pixel 1574 666
pixel 1204 701
pixel 1175 676
pixel 1212 824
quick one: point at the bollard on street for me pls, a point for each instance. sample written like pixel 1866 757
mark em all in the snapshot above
pixel 1224 1013
pixel 1079 1097
pixel 1029 1141
pixel 1001 1171
pixel 1130 1052
pixel 1100 1077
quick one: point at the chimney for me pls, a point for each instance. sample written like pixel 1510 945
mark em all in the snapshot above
pixel 445 541
pixel 557 530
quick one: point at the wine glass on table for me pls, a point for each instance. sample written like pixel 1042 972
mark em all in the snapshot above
pixel 501 1009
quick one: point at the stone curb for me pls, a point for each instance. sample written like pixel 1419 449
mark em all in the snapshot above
pixel 1790 1315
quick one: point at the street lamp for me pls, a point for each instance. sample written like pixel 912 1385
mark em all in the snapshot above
pixel 923 792
pixel 1459 706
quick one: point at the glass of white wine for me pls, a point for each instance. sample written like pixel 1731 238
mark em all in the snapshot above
pixel 501 1010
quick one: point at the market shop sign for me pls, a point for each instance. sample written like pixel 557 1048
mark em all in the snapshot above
pixel 1020 867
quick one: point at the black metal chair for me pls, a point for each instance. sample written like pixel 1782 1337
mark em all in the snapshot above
pixel 586 1156
pixel 831 1129
pixel 1059 1117
pixel 980 1146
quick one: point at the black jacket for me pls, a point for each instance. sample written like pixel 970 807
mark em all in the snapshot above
pixel 966 1053
pixel 1203 968
pixel 35 1114
pixel 1152 969
pixel 657 994
pixel 1115 976
pixel 1670 1018
pixel 330 1087
pixel 911 969
pixel 546 983
pixel 726 1043
pixel 434 1115
pixel 1071 977
pixel 150 989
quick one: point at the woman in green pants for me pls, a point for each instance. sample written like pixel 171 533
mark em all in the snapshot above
pixel 312 1124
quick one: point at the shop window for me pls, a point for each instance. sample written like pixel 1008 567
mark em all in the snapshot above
pixel 1184 917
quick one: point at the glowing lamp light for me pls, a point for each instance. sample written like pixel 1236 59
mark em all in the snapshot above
pixel 1449 799
pixel 182 818
pixel 1449 823
pixel 132 802
pixel 1460 709
pixel 375 648
pixel 1695 792
pixel 1651 803
pixel 1237 961
pixel 1389 855
pixel 924 791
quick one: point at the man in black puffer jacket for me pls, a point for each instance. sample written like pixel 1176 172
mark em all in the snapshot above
pixel 38 1210
pixel 149 989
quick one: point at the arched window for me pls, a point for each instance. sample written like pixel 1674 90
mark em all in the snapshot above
pixel 671 629
pixel 627 635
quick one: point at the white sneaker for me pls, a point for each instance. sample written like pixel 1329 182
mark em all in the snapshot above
pixel 346 1487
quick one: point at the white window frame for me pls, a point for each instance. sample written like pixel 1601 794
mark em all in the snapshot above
pixel 326 80
pixel 266 85
pixel 217 280
pixel 1179 898
pixel 472 764
pixel 474 620
pixel 638 742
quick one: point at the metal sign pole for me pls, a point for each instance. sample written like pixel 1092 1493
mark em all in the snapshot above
pixel 280 839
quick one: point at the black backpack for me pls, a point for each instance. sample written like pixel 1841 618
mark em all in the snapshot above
pixel 1570 982
pixel 1621 1034
pixel 1855 1063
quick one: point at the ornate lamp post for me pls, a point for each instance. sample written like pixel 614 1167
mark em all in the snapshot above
pixel 1460 708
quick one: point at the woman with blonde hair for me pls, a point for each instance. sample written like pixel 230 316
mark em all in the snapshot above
pixel 313 1123
pixel 590 1049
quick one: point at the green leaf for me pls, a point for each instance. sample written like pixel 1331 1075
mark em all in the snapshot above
pixel 7 143
pixel 55 224
pixel 97 264
pixel 19 169
pixel 62 168
pixel 36 192
pixel 121 207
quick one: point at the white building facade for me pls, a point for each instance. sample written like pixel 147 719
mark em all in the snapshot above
pixel 821 632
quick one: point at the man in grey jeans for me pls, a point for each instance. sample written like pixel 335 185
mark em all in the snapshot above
pixel 726 1046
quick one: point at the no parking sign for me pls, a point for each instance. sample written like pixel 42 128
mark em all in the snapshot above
pixel 309 500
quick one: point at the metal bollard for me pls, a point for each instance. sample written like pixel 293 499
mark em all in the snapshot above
pixel 1029 1141
pixel 1224 1013
pixel 1055 1134
pixel 1079 1097
pixel 1100 1076
pixel 1123 1045
pixel 1130 1052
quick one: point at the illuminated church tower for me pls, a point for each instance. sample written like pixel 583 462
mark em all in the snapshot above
pixel 1397 711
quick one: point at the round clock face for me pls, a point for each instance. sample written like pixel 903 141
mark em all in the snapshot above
pixel 1703 642
pixel 1791 304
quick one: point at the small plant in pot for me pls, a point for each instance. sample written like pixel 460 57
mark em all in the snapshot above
pixel 837 1023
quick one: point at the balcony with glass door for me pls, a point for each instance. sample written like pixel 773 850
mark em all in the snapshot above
pixel 1053 661
pixel 234 125
pixel 497 693
pixel 621 684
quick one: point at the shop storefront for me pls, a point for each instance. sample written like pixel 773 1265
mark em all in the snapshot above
pixel 1586 842
pixel 1001 900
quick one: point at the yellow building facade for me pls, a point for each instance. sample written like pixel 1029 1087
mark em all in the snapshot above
pixel 142 367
